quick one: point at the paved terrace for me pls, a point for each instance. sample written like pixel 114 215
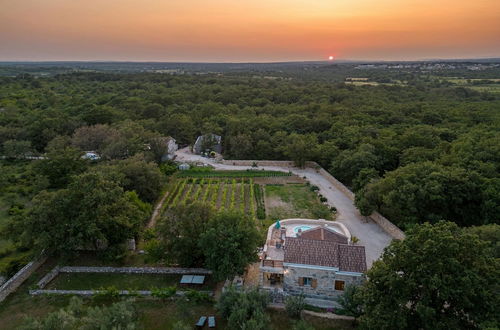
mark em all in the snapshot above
pixel 371 235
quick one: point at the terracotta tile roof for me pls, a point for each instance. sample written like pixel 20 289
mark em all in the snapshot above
pixel 303 251
pixel 324 234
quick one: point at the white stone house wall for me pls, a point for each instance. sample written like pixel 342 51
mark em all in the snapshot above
pixel 324 281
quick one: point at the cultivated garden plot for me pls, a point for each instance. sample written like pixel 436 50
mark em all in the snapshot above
pixel 295 201
pixel 222 193
pixel 268 195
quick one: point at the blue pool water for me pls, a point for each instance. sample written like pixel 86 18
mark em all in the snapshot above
pixel 303 228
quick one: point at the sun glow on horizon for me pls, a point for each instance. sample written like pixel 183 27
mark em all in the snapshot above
pixel 259 30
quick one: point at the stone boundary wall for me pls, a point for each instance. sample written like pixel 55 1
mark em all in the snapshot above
pixel 280 163
pixel 134 270
pixel 379 219
pixel 48 277
pixel 15 281
pixel 388 226
pixel 93 292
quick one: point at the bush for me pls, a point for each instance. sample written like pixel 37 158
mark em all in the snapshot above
pixel 323 199
pixel 155 251
pixel 198 297
pixel 302 325
pixel 164 293
pixel 11 264
pixel 106 294
pixel 314 188
pixel 294 306
pixel 244 309
pixel 349 302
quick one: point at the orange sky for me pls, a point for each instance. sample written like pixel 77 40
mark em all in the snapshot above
pixel 241 30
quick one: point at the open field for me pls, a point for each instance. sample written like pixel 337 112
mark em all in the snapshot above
pixel 294 201
pixel 490 85
pixel 95 281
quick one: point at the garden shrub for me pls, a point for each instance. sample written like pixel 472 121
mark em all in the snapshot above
pixel 164 293
pixel 294 305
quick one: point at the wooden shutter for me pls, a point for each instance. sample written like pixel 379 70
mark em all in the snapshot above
pixel 314 283
pixel 301 281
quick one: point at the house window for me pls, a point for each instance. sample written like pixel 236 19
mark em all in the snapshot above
pixel 339 285
pixel 305 281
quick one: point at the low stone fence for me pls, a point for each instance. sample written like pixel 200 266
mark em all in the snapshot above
pixel 280 163
pixel 388 226
pixel 94 292
pixel 134 270
pixel 22 275
pixel 379 219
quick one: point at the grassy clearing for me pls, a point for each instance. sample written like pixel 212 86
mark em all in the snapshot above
pixel 94 281
pixel 294 201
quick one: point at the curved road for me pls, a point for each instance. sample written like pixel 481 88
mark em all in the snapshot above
pixel 371 235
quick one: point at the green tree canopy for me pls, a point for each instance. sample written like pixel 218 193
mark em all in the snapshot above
pixel 439 277
pixel 91 212
pixel 180 231
pixel 229 244
pixel 119 315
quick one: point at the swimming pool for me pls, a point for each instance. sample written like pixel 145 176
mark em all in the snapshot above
pixel 302 228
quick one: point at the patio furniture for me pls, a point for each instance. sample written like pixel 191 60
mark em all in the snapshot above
pixel 201 321
pixel 211 321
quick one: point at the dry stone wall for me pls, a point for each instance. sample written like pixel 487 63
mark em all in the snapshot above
pixel 15 281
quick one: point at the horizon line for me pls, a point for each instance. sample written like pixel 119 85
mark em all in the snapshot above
pixel 258 62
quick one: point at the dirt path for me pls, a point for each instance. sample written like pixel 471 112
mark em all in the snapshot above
pixel 371 235
pixel 156 211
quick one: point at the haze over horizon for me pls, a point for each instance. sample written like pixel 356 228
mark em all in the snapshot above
pixel 256 31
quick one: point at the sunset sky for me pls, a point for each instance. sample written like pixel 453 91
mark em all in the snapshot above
pixel 241 30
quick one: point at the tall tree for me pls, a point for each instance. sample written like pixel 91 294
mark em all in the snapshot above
pixel 91 212
pixel 229 244
pixel 180 230
pixel 301 148
pixel 439 277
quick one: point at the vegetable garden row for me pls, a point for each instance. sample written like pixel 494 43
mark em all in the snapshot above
pixel 222 193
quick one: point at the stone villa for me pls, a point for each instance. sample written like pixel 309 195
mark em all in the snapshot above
pixel 311 257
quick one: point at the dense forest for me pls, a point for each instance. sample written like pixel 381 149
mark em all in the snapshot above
pixel 416 147
pixel 415 153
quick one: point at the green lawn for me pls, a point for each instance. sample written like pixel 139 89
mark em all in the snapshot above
pixel 87 281
pixel 294 201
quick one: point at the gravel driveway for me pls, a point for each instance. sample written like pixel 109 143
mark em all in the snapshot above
pixel 371 235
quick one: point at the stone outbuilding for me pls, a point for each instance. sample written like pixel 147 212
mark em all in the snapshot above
pixel 208 143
